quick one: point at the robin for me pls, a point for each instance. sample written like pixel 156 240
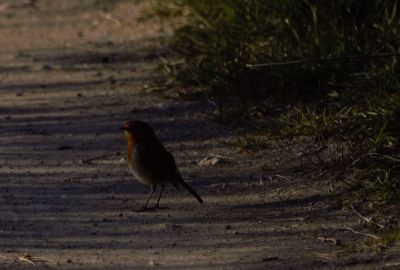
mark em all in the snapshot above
pixel 150 162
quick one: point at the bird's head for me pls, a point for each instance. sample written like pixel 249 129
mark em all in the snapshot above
pixel 138 131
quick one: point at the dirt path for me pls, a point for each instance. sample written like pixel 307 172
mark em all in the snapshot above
pixel 70 74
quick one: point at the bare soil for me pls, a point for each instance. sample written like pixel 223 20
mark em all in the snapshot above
pixel 71 72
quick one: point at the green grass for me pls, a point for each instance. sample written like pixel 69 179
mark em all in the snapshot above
pixel 332 43
pixel 332 66
pixel 391 237
pixel 369 132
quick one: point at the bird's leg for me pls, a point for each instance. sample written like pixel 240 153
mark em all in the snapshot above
pixel 159 196
pixel 144 207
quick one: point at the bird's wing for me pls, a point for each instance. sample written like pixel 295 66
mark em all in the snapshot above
pixel 159 163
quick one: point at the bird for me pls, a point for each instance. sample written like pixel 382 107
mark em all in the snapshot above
pixel 149 161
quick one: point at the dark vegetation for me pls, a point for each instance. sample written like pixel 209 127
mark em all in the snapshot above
pixel 331 71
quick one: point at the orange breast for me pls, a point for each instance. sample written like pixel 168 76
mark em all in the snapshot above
pixel 130 144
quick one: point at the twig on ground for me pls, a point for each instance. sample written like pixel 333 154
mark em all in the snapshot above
pixel 26 258
pixel 282 219
pixel 384 156
pixel 326 255
pixel 110 17
pixel 361 233
pixel 374 154
pixel 219 156
pixel 320 173
pixel 277 176
pixel 367 219
pixel 94 158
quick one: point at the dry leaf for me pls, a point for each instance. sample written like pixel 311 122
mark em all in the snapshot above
pixel 209 161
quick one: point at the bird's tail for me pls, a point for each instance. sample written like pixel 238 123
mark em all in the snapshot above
pixel 199 199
